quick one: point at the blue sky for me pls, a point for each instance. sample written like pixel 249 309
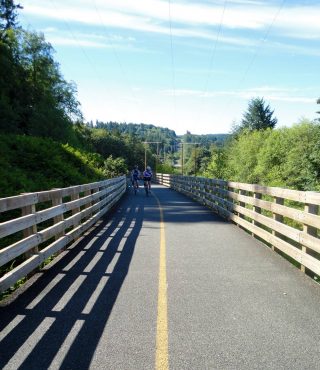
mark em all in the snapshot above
pixel 186 65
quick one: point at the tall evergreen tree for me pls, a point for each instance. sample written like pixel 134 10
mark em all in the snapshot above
pixel 258 116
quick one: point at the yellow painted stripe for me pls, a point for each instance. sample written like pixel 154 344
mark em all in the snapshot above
pixel 162 361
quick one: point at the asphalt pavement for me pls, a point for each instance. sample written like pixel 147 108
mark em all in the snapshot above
pixel 232 303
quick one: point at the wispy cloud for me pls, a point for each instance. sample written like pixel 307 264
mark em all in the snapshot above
pixel 152 15
pixel 91 39
pixel 267 92
pixel 66 41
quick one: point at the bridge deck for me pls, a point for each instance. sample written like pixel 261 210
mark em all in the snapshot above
pixel 232 303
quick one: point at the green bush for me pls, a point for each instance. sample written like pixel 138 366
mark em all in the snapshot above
pixel 31 164
pixel 166 168
pixel 285 157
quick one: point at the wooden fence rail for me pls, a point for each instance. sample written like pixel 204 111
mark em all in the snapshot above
pixel 41 224
pixel 287 220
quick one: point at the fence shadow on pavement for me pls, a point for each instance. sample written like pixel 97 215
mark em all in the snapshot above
pixel 58 321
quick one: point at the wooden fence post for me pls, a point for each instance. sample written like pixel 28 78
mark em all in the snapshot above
pixel 242 204
pixel 256 209
pixel 57 200
pixel 86 193
pixel 92 192
pixel 27 210
pixel 77 209
pixel 277 217
pixel 314 209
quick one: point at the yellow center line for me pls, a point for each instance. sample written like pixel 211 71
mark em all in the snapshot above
pixel 162 362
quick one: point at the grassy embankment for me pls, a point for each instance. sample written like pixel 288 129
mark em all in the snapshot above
pixel 30 164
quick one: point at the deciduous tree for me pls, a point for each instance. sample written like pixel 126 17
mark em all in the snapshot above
pixel 8 14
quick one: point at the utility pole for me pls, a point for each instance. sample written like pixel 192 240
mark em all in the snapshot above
pixel 145 152
pixel 182 159
pixel 182 154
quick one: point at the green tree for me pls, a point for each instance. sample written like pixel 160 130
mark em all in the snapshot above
pixel 242 156
pixel 34 98
pixel 51 96
pixel 14 86
pixel 115 166
pixel 216 166
pixel 290 157
pixel 285 157
pixel 8 14
pixel 258 117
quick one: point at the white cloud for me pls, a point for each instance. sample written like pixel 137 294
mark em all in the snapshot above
pixel 292 95
pixel 190 20
pixel 49 30
pixel 66 41
pixel 92 40
pixel 153 15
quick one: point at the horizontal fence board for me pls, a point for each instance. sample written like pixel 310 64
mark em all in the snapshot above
pixel 21 223
pixel 102 196
pixel 19 272
pixel 20 201
pixel 295 195
pixel 232 199
pixel 294 234
pixel 291 251
pixel 22 246
pixel 294 214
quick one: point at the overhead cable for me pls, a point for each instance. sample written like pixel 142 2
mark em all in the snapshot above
pixel 264 39
pixel 122 70
pixel 77 42
pixel 214 49
pixel 172 61
pixel 257 50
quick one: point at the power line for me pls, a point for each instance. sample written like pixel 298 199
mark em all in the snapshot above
pixel 125 77
pixel 77 41
pixel 214 49
pixel 257 49
pixel 81 48
pixel 213 54
pixel 172 62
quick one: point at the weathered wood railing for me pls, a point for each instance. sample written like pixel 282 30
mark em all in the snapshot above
pixel 287 220
pixel 47 221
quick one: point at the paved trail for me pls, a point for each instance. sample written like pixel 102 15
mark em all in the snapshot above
pixel 224 301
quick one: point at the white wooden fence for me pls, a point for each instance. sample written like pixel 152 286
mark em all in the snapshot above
pixel 287 220
pixel 47 221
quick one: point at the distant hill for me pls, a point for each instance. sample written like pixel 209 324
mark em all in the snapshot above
pixel 219 138
pixel 145 132
pixel 149 132
pixel 204 140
